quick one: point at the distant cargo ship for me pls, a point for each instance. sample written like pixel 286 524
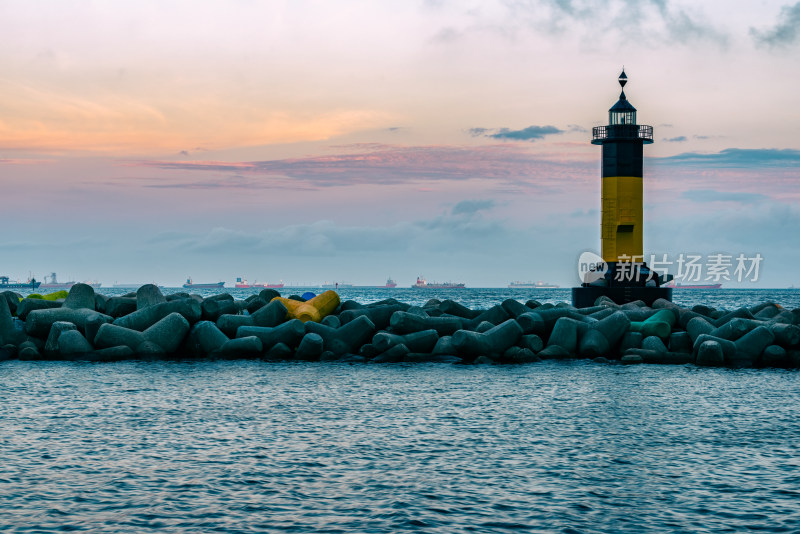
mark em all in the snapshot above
pixel 191 285
pixel 6 284
pixel 53 283
pixel 388 285
pixel 241 283
pixel 677 285
pixel 532 285
pixel 273 286
pixel 424 284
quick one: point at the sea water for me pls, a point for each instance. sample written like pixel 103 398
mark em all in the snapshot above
pixel 251 446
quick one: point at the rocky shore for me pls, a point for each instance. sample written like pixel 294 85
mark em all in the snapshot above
pixel 84 325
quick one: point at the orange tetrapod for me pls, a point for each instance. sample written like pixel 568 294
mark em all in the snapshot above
pixel 311 310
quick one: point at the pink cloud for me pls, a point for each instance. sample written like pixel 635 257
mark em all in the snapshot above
pixel 507 164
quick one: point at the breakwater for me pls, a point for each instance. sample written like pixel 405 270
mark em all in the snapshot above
pixel 146 324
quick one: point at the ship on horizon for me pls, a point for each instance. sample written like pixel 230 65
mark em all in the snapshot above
pixel 424 284
pixel 242 283
pixel 53 283
pixel 390 284
pixel 191 285
pixel 5 283
pixel 677 285
pixel 532 285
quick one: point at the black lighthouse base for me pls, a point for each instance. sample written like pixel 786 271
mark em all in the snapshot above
pixel 584 297
pixel 621 282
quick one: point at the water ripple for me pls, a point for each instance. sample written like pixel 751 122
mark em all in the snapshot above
pixel 568 447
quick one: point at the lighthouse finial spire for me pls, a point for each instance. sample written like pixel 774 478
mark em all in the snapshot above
pixel 623 78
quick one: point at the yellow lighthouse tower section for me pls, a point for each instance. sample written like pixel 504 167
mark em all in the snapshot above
pixel 622 219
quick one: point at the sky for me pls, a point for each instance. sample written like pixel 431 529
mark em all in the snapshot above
pixel 354 141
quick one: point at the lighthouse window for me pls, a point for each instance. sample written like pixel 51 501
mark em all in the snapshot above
pixel 623 117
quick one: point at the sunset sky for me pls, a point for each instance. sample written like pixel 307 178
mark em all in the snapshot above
pixel 352 141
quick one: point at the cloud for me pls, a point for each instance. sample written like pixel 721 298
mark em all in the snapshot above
pixel 711 195
pixel 507 164
pixel 446 35
pixel 784 33
pixel 470 207
pixel 679 139
pixel 168 237
pixel 584 213
pixel 682 28
pixel 324 238
pixel 531 133
pixel 649 23
pixel 736 158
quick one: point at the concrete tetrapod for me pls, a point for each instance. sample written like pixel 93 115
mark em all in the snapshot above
pixel 661 357
pixel 169 332
pixel 110 335
pixel 494 341
pixel 774 356
pixel 495 315
pixel 213 307
pixel 409 322
pixel 58 328
pixel 346 339
pixel 120 306
pixel 631 340
pixel 423 341
pixel 144 318
pixel 659 324
pixel 654 344
pixel 459 310
pixel 8 333
pixel 531 342
pixel 379 315
pixel 532 323
pixel 514 308
pixel 38 322
pixel 680 342
pixel 750 346
pixel 698 326
pixel 310 348
pixel 149 295
pixel 728 347
pixel 204 338
pixel 709 353
pixel 72 343
pixel 597 338
pixel 28 305
pixel 593 344
pixel 12 300
pixel 395 354
pixel 241 347
pixel 565 334
pixel 289 333
pixel 229 324
pixel 80 296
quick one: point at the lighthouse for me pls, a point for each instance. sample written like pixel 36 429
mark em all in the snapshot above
pixel 623 274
